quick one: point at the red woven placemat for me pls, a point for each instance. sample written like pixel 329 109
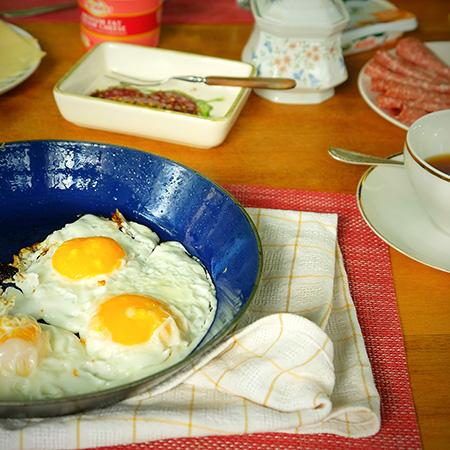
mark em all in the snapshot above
pixel 370 279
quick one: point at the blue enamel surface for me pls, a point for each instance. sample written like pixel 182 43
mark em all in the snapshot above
pixel 46 184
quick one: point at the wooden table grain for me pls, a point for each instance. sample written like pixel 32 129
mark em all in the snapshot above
pixel 281 146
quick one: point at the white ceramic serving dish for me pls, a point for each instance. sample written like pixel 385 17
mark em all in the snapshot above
pixel 72 94
pixel 299 39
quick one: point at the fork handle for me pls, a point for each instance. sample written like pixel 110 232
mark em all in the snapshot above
pixel 256 82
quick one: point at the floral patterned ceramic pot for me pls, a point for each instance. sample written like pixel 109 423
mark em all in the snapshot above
pixel 299 39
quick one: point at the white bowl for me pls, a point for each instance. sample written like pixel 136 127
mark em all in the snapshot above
pixel 72 94
pixel 429 136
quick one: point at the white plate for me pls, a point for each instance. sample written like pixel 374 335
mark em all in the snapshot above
pixel 72 93
pixel 442 49
pixel 11 82
pixel 391 208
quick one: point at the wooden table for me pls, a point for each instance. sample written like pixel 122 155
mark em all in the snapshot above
pixel 283 146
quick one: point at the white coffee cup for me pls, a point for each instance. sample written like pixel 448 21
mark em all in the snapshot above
pixel 427 137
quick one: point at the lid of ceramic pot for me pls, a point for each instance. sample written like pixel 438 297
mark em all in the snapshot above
pixel 300 12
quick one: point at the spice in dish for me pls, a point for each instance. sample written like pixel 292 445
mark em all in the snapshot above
pixel 169 100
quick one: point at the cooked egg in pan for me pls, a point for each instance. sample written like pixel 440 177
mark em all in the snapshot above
pixel 39 361
pixel 125 305
pixel 59 279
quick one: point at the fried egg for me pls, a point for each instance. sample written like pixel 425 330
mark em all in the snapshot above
pixel 39 361
pixel 133 304
pixel 60 278
pixel 158 321
pixel 22 345
pixel 133 335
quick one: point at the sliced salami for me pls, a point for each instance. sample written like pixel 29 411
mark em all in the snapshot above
pixel 428 106
pixel 415 51
pixel 379 85
pixel 401 66
pixel 377 70
pixel 385 102
pixel 409 115
pixel 408 92
pixel 411 83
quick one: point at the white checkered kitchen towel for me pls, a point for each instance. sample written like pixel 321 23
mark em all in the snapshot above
pixel 296 364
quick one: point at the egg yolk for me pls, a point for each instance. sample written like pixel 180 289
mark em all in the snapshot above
pixel 22 343
pixel 20 328
pixel 130 319
pixel 87 257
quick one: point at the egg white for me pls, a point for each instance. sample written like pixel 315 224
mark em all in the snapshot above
pixel 63 369
pixel 177 280
pixel 45 294
pixel 163 271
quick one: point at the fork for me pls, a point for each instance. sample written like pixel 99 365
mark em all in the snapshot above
pixel 248 82
pixel 37 10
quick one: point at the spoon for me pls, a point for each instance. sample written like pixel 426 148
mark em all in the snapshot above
pixel 27 12
pixel 360 158
pixel 249 82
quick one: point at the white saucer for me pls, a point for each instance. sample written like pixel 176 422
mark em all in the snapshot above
pixel 391 208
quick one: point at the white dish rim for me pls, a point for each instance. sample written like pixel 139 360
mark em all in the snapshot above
pixel 11 82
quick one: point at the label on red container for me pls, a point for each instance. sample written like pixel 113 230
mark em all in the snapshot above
pixel 132 21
